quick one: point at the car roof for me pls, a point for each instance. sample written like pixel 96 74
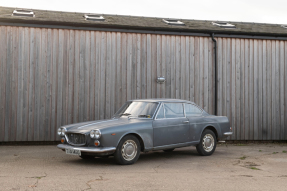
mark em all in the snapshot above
pixel 162 100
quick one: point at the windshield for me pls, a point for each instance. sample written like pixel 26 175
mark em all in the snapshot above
pixel 137 109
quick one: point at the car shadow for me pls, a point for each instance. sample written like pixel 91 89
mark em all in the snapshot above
pixel 144 157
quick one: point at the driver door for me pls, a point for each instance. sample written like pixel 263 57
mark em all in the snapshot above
pixel 170 126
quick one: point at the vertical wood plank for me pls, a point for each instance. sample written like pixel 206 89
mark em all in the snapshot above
pixel 49 79
pixel 144 66
pixel 196 69
pixel 109 81
pixel 260 88
pixel 153 65
pixel 103 60
pixel 3 71
pixel 76 79
pixel 264 91
pixel 281 90
pixel 242 100
pixel 20 62
pixel 97 74
pixel 192 68
pixel 113 74
pixel 233 90
pixel 158 66
pixel 246 89
pixel 124 67
pixel 182 67
pixel 277 121
pixel 25 84
pixel 138 66
pixel 163 64
pixel 119 72
pixel 269 89
pixel 87 61
pixel 92 74
pixel 149 65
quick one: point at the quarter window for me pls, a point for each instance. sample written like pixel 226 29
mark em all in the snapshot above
pixel 173 110
pixel 191 110
pixel 160 113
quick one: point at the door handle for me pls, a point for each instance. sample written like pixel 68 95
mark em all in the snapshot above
pixel 185 121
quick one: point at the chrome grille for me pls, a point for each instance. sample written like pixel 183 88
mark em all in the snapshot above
pixel 76 138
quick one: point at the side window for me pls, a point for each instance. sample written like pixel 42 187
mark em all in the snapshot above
pixel 191 110
pixel 160 113
pixel 173 110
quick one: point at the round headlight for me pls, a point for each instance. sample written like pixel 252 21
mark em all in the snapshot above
pixel 97 134
pixel 63 131
pixel 59 131
pixel 92 134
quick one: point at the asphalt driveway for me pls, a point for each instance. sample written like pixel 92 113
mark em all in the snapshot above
pixel 231 167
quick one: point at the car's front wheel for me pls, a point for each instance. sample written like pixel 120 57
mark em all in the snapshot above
pixel 128 150
pixel 207 143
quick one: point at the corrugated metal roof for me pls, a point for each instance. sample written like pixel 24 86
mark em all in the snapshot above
pixel 71 19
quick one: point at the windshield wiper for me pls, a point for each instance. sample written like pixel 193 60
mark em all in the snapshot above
pixel 126 114
pixel 147 116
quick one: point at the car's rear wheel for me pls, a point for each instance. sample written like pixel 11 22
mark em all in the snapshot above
pixel 207 143
pixel 168 150
pixel 128 150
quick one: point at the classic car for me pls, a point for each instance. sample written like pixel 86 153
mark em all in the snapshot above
pixel 146 125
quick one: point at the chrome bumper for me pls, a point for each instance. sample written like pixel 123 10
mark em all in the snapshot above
pixel 227 133
pixel 88 149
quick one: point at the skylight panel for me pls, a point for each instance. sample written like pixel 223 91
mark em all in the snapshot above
pixel 23 13
pixel 173 22
pixel 91 17
pixel 224 24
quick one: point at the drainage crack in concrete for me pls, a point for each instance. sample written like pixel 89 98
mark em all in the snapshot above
pixel 36 183
pixel 90 181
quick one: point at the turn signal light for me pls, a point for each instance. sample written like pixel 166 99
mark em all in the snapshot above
pixel 62 140
pixel 97 143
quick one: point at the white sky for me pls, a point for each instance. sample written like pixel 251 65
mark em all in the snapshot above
pixel 262 11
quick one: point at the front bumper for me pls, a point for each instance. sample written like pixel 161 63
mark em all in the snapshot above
pixel 94 150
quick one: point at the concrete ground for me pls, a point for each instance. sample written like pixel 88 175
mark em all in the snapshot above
pixel 231 167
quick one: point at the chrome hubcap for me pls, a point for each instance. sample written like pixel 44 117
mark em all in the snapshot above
pixel 208 142
pixel 129 150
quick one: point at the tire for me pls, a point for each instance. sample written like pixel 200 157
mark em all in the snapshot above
pixel 87 157
pixel 128 150
pixel 168 150
pixel 207 143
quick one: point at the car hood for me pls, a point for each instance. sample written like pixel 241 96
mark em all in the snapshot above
pixel 99 124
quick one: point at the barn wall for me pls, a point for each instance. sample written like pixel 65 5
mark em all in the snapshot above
pixel 53 77
pixel 252 88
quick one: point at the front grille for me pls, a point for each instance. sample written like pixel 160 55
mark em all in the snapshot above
pixel 76 138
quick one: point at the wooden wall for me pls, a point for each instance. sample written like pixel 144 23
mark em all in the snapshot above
pixel 252 87
pixel 53 77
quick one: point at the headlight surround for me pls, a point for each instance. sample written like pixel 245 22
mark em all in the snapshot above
pixel 61 131
pixel 95 134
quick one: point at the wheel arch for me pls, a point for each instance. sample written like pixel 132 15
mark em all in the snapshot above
pixel 137 136
pixel 212 128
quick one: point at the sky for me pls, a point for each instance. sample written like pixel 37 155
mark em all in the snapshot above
pixel 259 11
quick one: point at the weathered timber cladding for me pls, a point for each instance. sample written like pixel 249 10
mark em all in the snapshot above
pixel 252 88
pixel 53 77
